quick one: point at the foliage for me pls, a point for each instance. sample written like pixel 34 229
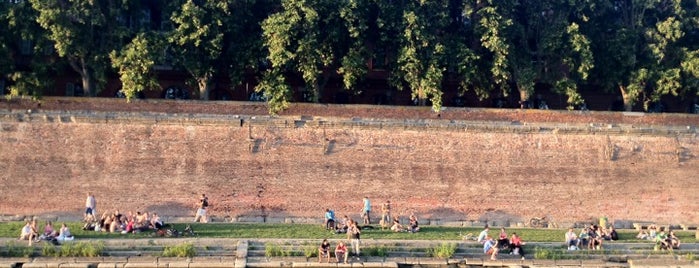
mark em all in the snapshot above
pixel 309 250
pixel 180 251
pixel 548 254
pixel 641 50
pixel 276 250
pixel 135 65
pixel 444 250
pixel 83 33
pixel 376 250
pixel 198 39
pixel 13 249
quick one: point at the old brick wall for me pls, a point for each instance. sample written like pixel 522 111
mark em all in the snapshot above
pixel 138 162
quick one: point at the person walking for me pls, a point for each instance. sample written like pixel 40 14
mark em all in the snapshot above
pixel 90 206
pixel 202 206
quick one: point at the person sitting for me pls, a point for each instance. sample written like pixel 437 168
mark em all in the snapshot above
pixel 672 240
pixel 129 226
pixel 652 231
pixel 341 227
pixel 572 241
pixel 413 224
pixel 48 230
pixel 324 251
pixel 483 235
pixel 397 227
pixel 612 234
pixel 516 245
pixel 584 237
pixel 503 242
pixel 595 238
pixel 490 247
pixel 341 252
pixel 64 233
pixel 643 235
pixel 26 232
pixel 661 242
pixel 329 220
pixel 155 222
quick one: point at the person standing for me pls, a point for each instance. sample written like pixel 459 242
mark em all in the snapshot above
pixel 366 210
pixel 385 213
pixel 353 234
pixel 90 205
pixel 202 205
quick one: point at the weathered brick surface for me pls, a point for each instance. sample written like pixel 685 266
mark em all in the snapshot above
pixel 49 162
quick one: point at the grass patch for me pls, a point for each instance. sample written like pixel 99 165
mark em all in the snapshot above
pixel 376 251
pixel 444 250
pixel 313 231
pixel 78 249
pixel 13 249
pixel 548 254
pixel 184 250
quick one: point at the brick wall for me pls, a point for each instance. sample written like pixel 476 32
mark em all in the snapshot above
pixel 287 168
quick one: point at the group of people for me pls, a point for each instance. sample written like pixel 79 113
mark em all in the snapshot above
pixel 329 221
pixel 590 237
pixel 31 232
pixel 116 222
pixel 663 241
pixel 341 254
pixel 504 243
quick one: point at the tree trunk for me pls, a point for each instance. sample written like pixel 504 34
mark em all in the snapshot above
pixel 627 98
pixel 204 86
pixel 524 96
pixel 89 84
pixel 421 98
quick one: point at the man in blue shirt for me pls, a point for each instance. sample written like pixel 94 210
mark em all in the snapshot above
pixel 329 219
pixel 366 210
pixel 490 248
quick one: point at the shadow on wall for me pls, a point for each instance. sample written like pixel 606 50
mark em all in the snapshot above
pixel 444 214
pixel 171 208
pixel 499 218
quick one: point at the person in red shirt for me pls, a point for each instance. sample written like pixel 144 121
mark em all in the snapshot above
pixel 516 245
pixel 341 252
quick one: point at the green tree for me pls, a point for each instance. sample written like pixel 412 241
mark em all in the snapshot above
pixel 421 55
pixel 636 47
pixel 30 60
pixel 135 64
pixel 84 32
pixel 303 38
pixel 197 39
pixel 245 55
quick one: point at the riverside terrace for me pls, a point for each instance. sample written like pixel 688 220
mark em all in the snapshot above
pixel 144 250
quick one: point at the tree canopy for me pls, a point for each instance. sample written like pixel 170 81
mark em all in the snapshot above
pixel 640 50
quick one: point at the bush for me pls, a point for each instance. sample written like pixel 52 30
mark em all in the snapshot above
pixel 444 250
pixel 80 249
pixel 181 251
pixel 547 254
pixel 310 250
pixel 274 250
pixel 15 250
pixel 376 251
